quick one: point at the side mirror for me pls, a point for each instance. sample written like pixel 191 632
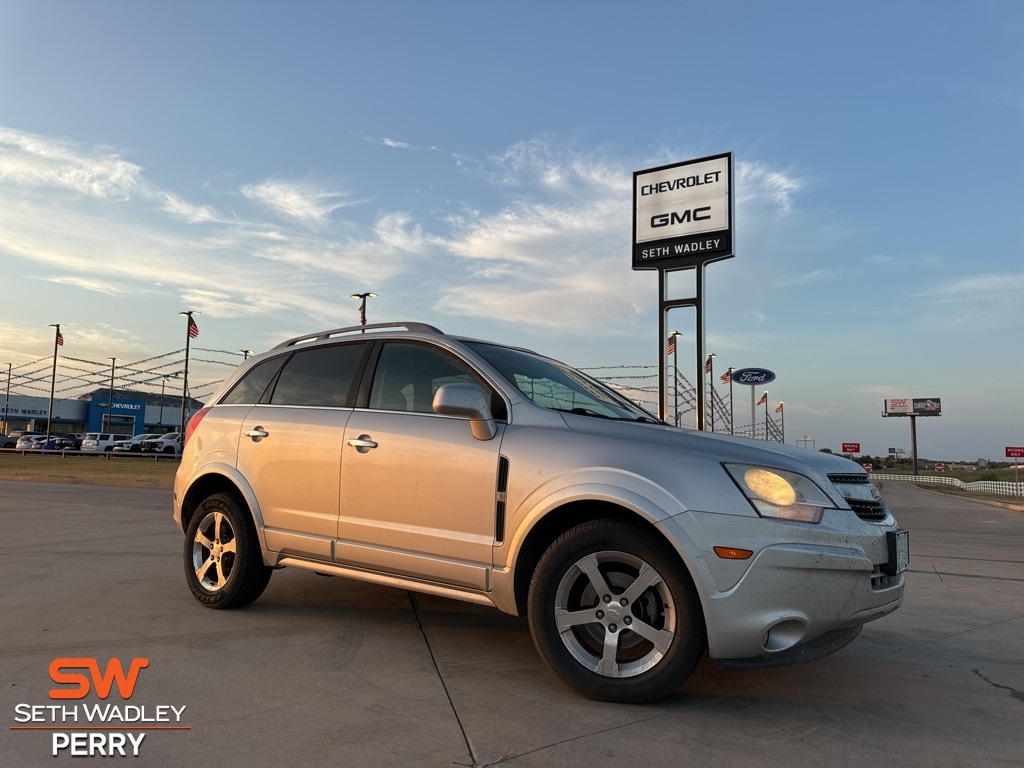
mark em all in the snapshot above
pixel 467 401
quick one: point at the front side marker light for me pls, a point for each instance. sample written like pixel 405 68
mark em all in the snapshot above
pixel 733 553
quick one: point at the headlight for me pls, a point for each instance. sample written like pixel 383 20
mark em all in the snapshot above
pixel 780 494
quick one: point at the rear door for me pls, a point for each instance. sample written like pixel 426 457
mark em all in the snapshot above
pixel 290 447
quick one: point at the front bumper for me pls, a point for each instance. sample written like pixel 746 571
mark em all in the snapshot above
pixel 802 582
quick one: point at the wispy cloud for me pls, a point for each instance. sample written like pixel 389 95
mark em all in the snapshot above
pixel 814 276
pixel 88 284
pixel 757 182
pixel 301 201
pixel 30 160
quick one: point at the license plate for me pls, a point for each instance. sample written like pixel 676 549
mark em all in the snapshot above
pixel 899 552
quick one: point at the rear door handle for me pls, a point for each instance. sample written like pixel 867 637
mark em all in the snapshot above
pixel 257 434
pixel 363 443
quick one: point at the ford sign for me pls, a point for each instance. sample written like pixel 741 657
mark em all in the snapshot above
pixel 752 376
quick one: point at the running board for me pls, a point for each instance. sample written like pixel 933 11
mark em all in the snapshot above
pixel 387 581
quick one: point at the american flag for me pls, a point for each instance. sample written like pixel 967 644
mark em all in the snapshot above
pixel 763 400
pixel 707 365
pixel 362 312
pixel 60 339
pixel 671 345
pixel 779 409
pixel 726 377
pixel 193 329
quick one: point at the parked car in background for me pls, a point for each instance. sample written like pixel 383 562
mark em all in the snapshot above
pixel 7 442
pixel 169 443
pixel 69 443
pixel 134 444
pixel 100 442
pixel 30 442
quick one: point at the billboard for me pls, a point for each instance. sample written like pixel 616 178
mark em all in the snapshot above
pixel 682 213
pixel 913 406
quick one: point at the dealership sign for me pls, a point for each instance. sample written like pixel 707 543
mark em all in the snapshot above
pixel 752 376
pixel 682 213
pixel 916 406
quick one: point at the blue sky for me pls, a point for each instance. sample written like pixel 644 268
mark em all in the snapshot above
pixel 472 164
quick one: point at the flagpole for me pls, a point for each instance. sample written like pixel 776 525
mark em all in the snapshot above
pixel 732 409
pixel 711 381
pixel 782 410
pixel 184 386
pixel 765 415
pixel 53 380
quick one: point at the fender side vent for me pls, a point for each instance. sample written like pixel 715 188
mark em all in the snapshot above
pixel 500 496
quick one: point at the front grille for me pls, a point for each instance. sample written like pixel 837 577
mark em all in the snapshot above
pixel 868 510
pixel 881 580
pixel 851 479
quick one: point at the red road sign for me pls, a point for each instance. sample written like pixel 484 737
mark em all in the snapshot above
pixel 939 467
pixel 851 447
pixel 1015 452
pixel 867 467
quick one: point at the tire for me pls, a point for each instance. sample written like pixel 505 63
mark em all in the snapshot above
pixel 602 581
pixel 135 449
pixel 168 449
pixel 223 561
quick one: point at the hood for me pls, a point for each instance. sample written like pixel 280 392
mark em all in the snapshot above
pixel 714 446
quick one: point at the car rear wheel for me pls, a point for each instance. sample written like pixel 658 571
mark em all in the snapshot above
pixel 614 613
pixel 223 561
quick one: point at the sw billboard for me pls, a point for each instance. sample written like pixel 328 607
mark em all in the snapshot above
pixel 913 406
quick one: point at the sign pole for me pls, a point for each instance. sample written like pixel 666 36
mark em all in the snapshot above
pixel 913 440
pixel 662 331
pixel 753 422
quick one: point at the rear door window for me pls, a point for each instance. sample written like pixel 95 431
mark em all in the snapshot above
pixel 320 377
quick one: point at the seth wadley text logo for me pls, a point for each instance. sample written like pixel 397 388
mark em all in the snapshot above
pixel 102 729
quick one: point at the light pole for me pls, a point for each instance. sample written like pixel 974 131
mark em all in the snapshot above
pixel 58 341
pixel 709 368
pixel 674 351
pixel 246 353
pixel 163 386
pixel 362 305
pixel 7 400
pixel 110 394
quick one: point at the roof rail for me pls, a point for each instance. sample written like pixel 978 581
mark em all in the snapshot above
pixel 324 335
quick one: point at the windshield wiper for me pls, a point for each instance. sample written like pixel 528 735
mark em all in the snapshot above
pixel 583 412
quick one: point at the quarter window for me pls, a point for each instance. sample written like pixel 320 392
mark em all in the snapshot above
pixel 252 386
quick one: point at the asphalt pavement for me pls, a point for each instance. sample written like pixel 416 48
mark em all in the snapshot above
pixel 327 671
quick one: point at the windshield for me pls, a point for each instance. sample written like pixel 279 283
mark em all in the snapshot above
pixel 551 384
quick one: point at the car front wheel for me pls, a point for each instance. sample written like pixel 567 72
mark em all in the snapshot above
pixel 223 561
pixel 614 613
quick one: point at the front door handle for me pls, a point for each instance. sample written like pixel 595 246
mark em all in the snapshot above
pixel 257 434
pixel 363 443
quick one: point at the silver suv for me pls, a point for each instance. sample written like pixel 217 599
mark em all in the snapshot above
pixel 399 455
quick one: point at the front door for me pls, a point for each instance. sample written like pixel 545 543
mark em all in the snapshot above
pixel 418 491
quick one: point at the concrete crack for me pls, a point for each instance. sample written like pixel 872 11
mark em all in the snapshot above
pixel 474 762
pixel 1018 695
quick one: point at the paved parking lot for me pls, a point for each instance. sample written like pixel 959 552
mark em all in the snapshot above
pixel 327 671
